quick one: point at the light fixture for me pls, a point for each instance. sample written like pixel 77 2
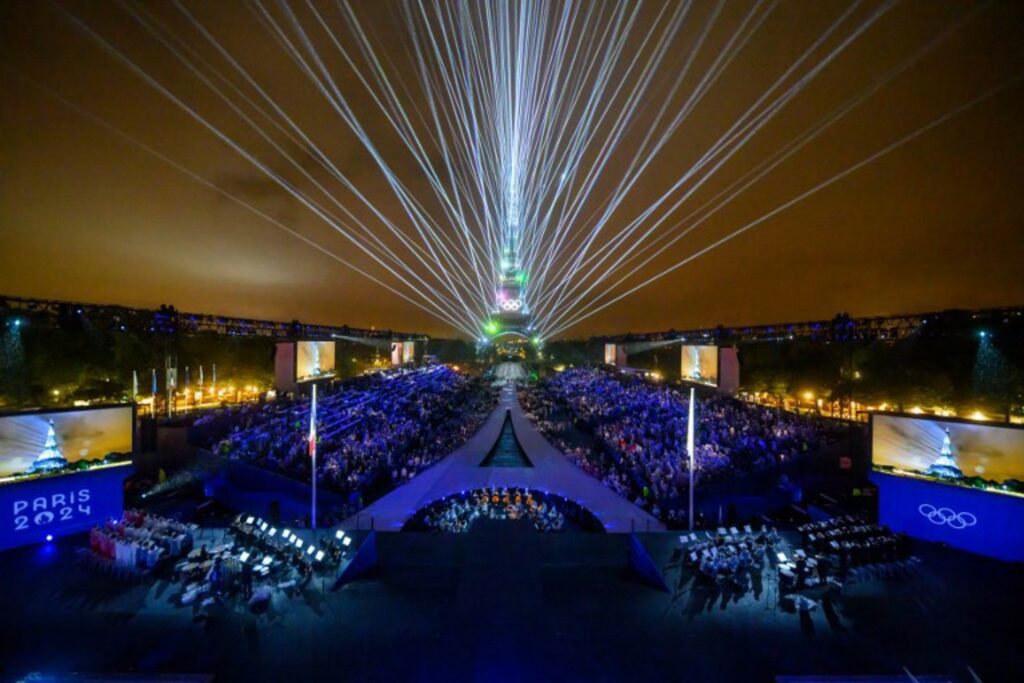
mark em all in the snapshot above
pixel 339 534
pixel 267 559
pixel 319 555
pixel 298 542
pixel 347 542
pixel 244 557
pixel 250 520
pixel 311 549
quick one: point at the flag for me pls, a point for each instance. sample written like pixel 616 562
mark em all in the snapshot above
pixel 312 426
pixel 155 390
pixel 312 455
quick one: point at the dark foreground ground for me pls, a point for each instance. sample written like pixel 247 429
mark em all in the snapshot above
pixel 504 604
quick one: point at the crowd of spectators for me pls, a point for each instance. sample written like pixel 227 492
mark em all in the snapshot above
pixel 639 430
pixel 376 432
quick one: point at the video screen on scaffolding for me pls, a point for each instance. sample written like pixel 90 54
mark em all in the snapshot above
pixel 968 454
pixel 314 360
pixel 699 363
pixel 609 354
pixel 52 443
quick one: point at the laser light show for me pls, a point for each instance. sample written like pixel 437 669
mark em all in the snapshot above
pixel 358 263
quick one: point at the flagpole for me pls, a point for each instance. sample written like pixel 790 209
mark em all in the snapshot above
pixel 312 449
pixel 689 449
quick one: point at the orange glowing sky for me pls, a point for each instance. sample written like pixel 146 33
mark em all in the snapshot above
pixel 936 224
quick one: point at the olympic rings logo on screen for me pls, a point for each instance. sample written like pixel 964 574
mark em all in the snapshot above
pixel 511 304
pixel 947 516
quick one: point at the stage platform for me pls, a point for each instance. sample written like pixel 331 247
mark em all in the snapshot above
pixel 552 472
pixel 503 603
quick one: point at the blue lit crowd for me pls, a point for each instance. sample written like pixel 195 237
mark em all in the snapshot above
pixel 639 435
pixel 458 513
pixel 372 433
pixel 545 512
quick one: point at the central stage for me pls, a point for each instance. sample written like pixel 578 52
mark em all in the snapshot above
pixel 552 472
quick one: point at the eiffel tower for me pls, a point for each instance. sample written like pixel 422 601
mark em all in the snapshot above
pixel 50 458
pixel 945 465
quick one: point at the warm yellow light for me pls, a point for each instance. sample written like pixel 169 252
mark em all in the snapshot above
pixel 916 410
pixel 56 392
pixel 978 415
pixel 808 395
pixel 455 368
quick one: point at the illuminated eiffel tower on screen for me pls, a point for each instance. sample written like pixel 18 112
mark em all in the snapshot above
pixel 50 458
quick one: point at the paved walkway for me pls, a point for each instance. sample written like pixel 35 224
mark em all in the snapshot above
pixel 552 472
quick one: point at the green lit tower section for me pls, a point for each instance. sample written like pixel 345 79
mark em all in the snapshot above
pixel 510 322
pixel 510 314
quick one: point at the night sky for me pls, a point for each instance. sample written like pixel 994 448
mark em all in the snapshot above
pixel 936 223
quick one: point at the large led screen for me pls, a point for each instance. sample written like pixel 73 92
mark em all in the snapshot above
pixel 46 444
pixel 971 455
pixel 699 364
pixel 609 354
pixel 314 360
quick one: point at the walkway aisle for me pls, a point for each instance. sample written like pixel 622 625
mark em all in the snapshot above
pixel 460 471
